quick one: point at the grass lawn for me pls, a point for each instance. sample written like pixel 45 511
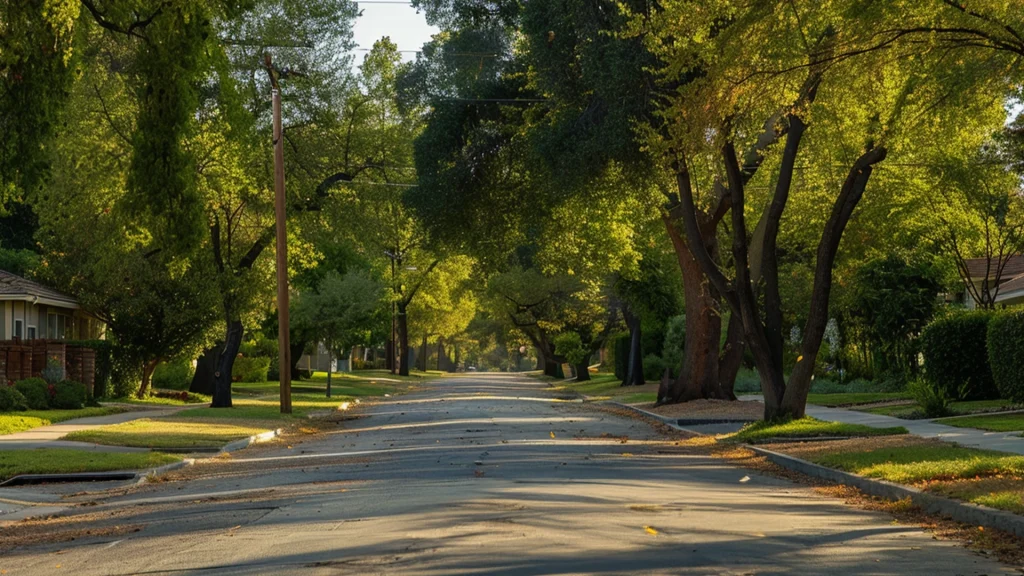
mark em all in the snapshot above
pixel 154 401
pixel 605 386
pixel 638 398
pixel 358 384
pixel 854 398
pixel 11 422
pixel 60 461
pixel 931 462
pixel 1002 493
pixel 808 428
pixel 168 433
pixel 996 423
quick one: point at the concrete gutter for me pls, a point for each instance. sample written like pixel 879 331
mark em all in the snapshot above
pixel 666 420
pixel 930 503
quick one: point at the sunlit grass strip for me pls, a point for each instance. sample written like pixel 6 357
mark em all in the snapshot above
pixel 167 434
pixel 997 423
pixel 11 422
pixel 808 428
pixel 912 464
pixel 65 461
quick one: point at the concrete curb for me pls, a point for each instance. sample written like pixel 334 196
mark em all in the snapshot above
pixel 666 420
pixel 147 475
pixel 930 503
pixel 246 442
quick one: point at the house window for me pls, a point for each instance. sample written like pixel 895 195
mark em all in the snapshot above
pixel 58 327
pixel 31 333
pixel 19 328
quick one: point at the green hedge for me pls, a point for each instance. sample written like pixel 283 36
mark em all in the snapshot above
pixel 247 369
pixel 654 368
pixel 174 375
pixel 36 392
pixel 1006 354
pixel 956 355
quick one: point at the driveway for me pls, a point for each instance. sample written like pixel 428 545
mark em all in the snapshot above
pixel 482 474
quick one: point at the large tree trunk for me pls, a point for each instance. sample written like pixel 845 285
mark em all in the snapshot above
pixel 147 373
pixel 699 374
pixel 583 371
pixel 635 363
pixel 732 357
pixel 225 363
pixel 206 365
pixel 421 362
pixel 403 340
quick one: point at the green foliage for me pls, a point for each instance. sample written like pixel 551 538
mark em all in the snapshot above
pixel 569 345
pixel 340 310
pixel 66 461
pixel 20 261
pixel 36 392
pixel 69 395
pixel 956 356
pixel 53 372
pixel 251 369
pixel 173 375
pixel 910 464
pixel 1006 354
pixel 654 368
pixel 675 339
pixel 894 299
pixel 11 400
pixel 933 399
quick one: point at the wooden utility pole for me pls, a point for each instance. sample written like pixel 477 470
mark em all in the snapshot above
pixel 284 346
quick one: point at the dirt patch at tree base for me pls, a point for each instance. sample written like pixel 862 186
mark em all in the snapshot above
pixel 711 409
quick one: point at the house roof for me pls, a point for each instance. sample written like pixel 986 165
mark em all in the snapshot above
pixel 1012 290
pixel 14 287
pixel 977 267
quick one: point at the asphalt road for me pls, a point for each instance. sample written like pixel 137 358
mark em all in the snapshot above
pixel 482 474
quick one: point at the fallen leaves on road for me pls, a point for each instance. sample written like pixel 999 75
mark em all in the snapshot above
pixel 552 434
pixel 651 530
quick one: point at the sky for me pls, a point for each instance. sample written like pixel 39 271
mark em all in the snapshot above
pixel 401 22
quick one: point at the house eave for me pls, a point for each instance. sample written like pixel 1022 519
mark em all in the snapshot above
pixel 1011 298
pixel 32 299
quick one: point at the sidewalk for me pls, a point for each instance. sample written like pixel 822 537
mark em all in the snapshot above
pixel 1002 441
pixel 49 436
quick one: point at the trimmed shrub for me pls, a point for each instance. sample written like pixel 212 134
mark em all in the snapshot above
pixel 248 369
pixel 569 345
pixel 53 372
pixel 654 367
pixel 174 375
pixel 956 355
pixel 1006 354
pixel 11 400
pixel 36 392
pixel 69 395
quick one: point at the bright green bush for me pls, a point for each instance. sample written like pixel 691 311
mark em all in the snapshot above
pixel 11 400
pixel 174 375
pixel 956 355
pixel 654 367
pixel 569 345
pixel 1006 354
pixel 248 369
pixel 69 395
pixel 36 392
